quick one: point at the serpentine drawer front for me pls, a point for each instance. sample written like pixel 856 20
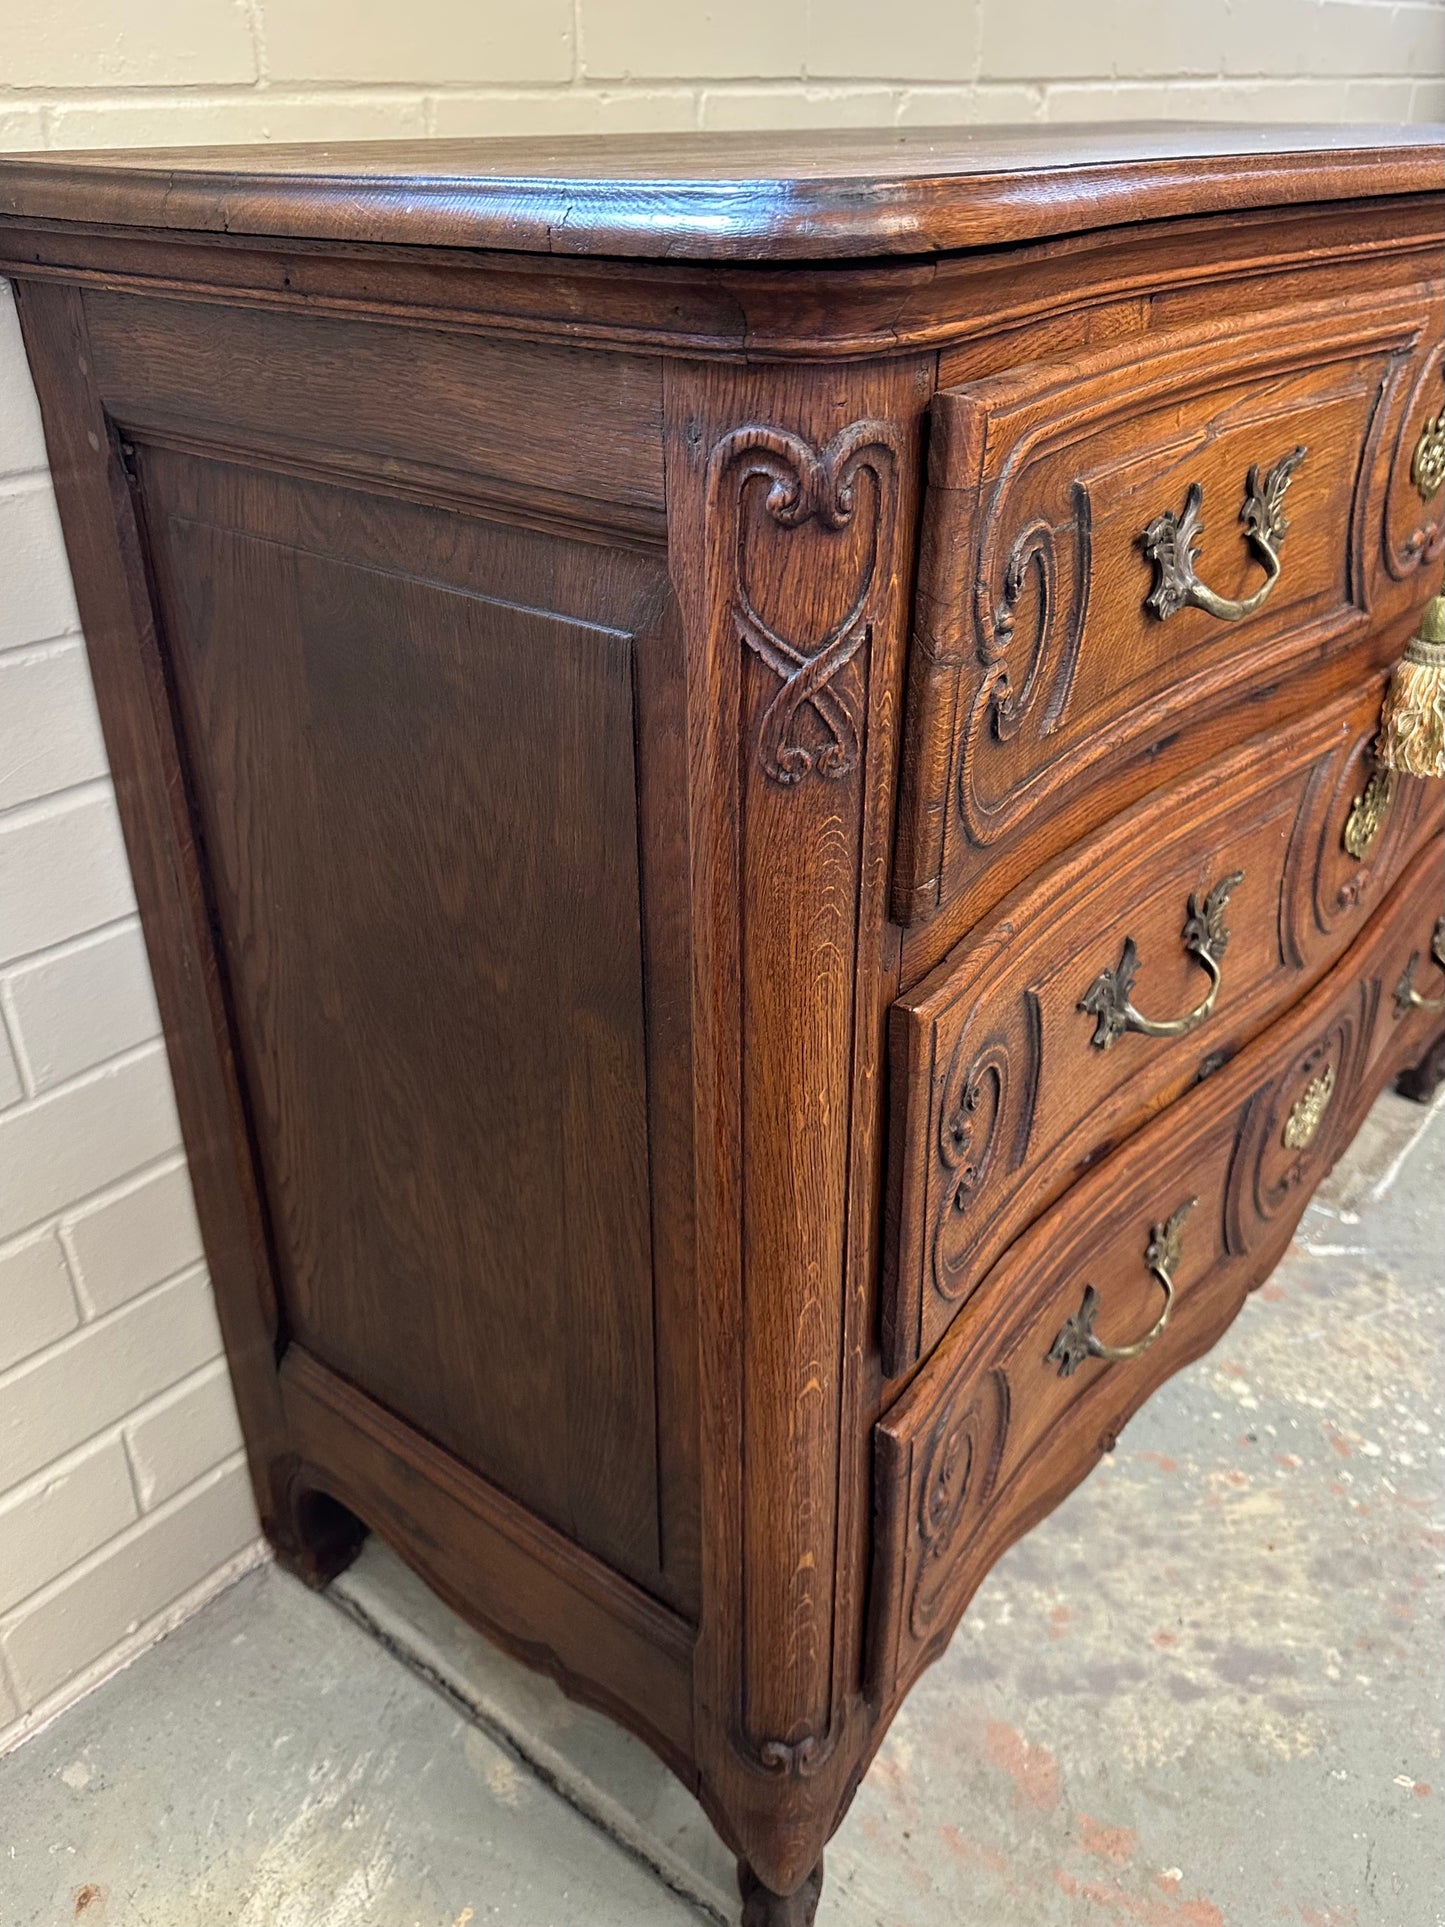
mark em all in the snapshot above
pixel 1115 545
pixel 1016 1405
pixel 782 791
pixel 1109 984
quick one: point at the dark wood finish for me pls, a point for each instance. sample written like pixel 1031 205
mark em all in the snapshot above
pixel 434 414
pixel 528 1587
pixel 522 645
pixel 990 308
pixel 401 1000
pixel 726 196
pixel 791 505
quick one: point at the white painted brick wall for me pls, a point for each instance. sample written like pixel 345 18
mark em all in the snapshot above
pixel 122 1497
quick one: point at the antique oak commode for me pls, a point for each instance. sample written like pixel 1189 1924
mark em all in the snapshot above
pixel 758 936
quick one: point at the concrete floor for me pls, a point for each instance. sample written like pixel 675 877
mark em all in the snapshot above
pixel 1205 1693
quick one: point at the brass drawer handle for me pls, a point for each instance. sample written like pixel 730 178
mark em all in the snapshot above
pixel 1076 1340
pixel 1171 543
pixel 1406 995
pixel 1107 1000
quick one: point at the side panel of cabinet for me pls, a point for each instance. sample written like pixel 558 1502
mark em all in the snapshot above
pixel 427 766
pixel 419 805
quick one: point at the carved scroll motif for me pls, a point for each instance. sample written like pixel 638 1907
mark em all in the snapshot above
pixel 805 484
pixel 1352 820
pixel 1418 458
pixel 1275 1155
pixel 801 1759
pixel 963 1455
pixel 985 1109
pixel 1029 671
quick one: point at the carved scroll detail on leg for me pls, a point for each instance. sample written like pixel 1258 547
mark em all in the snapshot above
pixel 801 1758
pixel 805 484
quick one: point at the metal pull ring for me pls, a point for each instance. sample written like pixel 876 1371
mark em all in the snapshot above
pixel 1172 544
pixel 1206 938
pixel 1076 1340
pixel 1406 995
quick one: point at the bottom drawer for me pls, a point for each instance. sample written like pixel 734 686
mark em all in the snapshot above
pixel 1066 1336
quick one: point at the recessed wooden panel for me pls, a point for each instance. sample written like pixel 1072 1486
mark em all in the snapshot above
pixel 420 809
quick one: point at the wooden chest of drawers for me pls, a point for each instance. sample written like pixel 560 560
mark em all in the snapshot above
pixel 757 938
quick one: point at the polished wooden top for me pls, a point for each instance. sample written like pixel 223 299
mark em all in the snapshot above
pixel 739 196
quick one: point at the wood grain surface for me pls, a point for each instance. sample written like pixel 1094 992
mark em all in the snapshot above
pixel 1002 1090
pixel 991 1434
pixel 431 932
pixel 617 657
pixel 726 196
pixel 1040 670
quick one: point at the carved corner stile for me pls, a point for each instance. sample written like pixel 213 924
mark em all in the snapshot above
pixel 799 658
pixel 805 483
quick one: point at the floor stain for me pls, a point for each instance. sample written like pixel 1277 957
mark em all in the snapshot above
pixel 1033 1769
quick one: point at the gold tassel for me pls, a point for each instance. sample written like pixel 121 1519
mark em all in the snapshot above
pixel 1412 722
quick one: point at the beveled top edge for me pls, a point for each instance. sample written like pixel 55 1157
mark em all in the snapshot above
pixel 764 197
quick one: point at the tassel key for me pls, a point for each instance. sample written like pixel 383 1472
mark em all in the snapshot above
pixel 1412 722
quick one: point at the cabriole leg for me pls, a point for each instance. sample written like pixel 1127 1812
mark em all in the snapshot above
pixel 763 1908
pixel 314 1537
pixel 1421 1080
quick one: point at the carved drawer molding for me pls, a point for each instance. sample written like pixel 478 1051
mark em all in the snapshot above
pixel 992 1432
pixel 1014 1062
pixel 1041 673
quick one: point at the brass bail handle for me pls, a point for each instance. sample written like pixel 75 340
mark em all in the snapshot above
pixel 1172 544
pixel 1077 1341
pixel 1411 741
pixel 1406 995
pixel 1108 1000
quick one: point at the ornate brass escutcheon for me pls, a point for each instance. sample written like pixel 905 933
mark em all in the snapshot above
pixel 1368 813
pixel 1206 938
pixel 1076 1340
pixel 1406 995
pixel 1172 542
pixel 1304 1118
pixel 1427 465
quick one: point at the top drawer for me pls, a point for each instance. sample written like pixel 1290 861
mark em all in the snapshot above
pixel 1074 629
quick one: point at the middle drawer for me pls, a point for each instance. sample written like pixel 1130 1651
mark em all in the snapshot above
pixel 1117 978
